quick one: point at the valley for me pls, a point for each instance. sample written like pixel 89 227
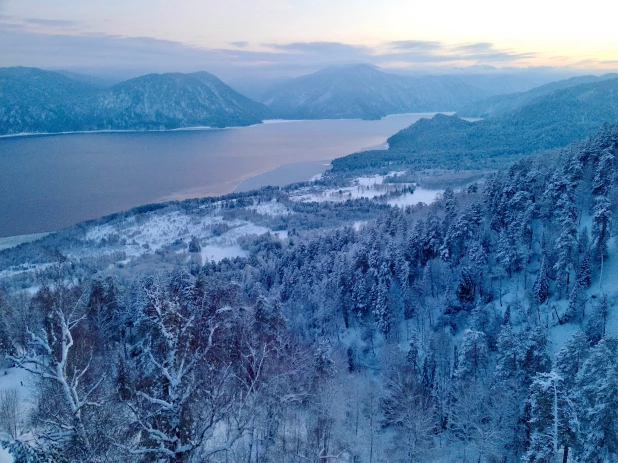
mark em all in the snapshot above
pixel 50 182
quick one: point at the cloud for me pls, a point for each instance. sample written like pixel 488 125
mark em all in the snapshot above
pixel 325 48
pixel 60 23
pixel 60 45
pixel 478 47
pixel 416 45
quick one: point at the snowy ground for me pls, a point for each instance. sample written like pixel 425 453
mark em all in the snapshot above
pixel 271 208
pixel 5 456
pixel 369 187
pixel 18 379
pixel 141 237
pixel 420 195
pixel 12 241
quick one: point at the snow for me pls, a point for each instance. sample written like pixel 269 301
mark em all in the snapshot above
pixel 5 456
pixel 420 195
pixel 271 208
pixel 12 241
pixel 18 379
pixel 160 230
pixel 30 268
pixel 218 253
pixel 13 378
pixel 281 234
pixel 369 187
pixel 359 224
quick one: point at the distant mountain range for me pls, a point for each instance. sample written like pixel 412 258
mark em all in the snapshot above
pixel 364 92
pixel 37 101
pixel 33 100
pixel 500 104
pixel 550 121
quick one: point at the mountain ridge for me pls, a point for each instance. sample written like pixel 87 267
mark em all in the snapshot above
pixel 499 104
pixel 365 92
pixel 548 122
pixel 37 101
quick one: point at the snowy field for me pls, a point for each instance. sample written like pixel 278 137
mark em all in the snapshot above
pixel 17 379
pixel 370 187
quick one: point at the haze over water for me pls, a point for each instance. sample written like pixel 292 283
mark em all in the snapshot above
pixel 53 181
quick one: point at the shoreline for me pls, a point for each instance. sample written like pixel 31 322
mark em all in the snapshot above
pixel 276 174
pixel 284 174
pixel 8 242
pixel 289 173
pixel 202 128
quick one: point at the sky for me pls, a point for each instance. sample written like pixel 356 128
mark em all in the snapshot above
pixel 271 38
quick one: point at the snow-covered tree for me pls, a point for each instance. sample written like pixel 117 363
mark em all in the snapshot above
pixel 473 356
pixel 540 289
pixel 65 375
pixel 550 412
pixel 597 403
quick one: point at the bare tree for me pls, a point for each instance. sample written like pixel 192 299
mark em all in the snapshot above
pixel 51 356
pixel 11 412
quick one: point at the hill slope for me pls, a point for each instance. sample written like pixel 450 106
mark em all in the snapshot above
pixel 548 122
pixel 32 100
pixel 168 101
pixel 363 92
pixel 452 329
pixel 500 104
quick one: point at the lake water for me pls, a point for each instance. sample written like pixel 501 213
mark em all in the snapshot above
pixel 49 182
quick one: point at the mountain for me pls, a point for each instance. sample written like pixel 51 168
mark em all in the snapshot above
pixel 33 100
pixel 548 122
pixel 500 104
pixel 364 92
pixel 502 82
pixel 169 101
pixel 94 80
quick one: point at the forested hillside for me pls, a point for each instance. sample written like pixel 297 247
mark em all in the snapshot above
pixel 500 104
pixel 548 122
pixel 37 101
pixel 480 328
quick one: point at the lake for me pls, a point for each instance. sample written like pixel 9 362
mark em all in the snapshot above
pixel 49 182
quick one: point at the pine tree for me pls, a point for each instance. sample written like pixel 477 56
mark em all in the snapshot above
pixel 600 229
pixel 359 293
pixel 597 403
pixel 31 452
pixel 509 354
pixel 540 289
pixel 506 253
pixel 597 323
pixel 603 177
pixel 194 245
pixel 382 314
pixel 536 358
pixel 550 418
pixel 473 358
pixel 584 273
pixel 466 289
pixel 6 343
pixel 566 244
pixel 571 358
pixel 575 309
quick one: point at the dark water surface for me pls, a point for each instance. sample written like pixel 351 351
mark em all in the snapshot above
pixel 50 182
